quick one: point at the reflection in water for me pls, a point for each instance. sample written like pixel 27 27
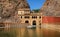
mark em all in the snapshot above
pixel 50 33
pixel 24 32
pixel 36 32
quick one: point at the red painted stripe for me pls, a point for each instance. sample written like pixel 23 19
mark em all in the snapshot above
pixel 49 19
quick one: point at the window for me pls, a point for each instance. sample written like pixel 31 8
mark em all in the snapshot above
pixel 27 21
pixel 21 16
pixel 20 12
pixel 34 16
pixel 26 17
pixel 39 16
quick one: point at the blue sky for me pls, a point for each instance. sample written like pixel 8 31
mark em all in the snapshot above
pixel 35 4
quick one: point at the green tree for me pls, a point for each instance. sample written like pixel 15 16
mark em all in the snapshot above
pixel 36 10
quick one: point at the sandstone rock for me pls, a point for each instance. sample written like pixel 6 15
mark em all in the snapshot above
pixel 51 8
pixel 8 9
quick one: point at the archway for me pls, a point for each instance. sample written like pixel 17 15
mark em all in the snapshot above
pixel 34 22
pixel 26 21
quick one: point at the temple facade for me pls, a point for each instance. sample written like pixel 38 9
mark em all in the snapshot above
pixel 27 16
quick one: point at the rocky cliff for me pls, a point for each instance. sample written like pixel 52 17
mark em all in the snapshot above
pixel 8 9
pixel 51 8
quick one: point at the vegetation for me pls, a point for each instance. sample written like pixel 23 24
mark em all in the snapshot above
pixel 36 10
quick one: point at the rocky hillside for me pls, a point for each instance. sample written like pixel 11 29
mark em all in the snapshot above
pixel 8 9
pixel 51 8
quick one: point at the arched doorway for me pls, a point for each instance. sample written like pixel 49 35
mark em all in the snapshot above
pixel 26 21
pixel 34 22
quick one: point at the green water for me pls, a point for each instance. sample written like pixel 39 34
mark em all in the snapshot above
pixel 25 32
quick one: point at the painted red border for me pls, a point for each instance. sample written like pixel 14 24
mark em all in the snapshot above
pixel 50 19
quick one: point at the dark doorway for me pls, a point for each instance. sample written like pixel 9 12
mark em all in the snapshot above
pixel 26 21
pixel 34 22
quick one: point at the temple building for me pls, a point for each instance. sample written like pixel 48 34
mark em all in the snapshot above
pixel 18 13
pixel 27 16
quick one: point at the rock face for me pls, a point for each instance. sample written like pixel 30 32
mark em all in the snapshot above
pixel 23 4
pixel 51 12
pixel 8 9
pixel 51 8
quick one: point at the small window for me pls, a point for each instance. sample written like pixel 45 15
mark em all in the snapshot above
pixel 40 17
pixel 26 17
pixel 21 16
pixel 34 16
